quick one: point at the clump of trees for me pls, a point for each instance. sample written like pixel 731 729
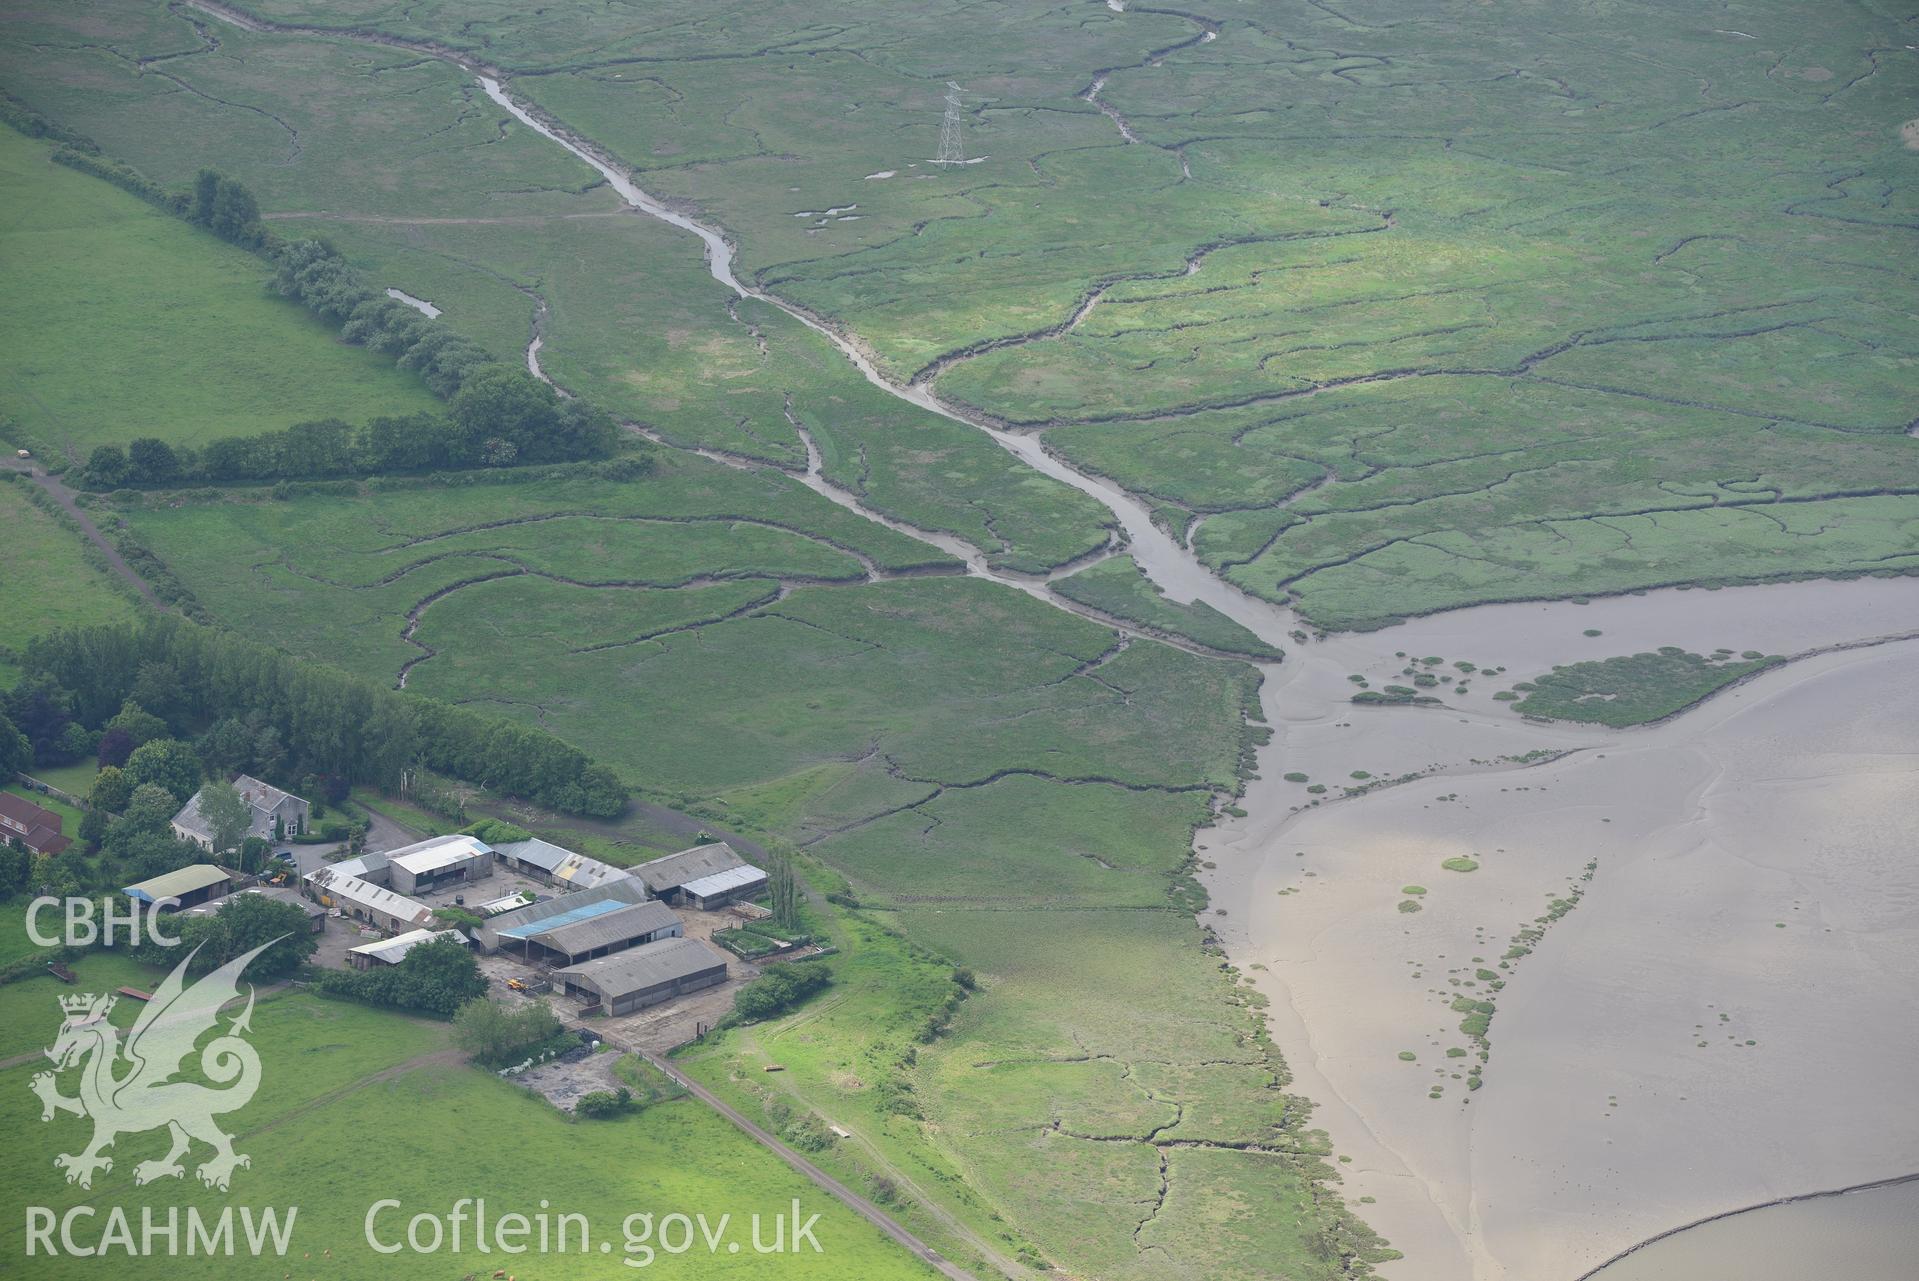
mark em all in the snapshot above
pixel 783 892
pixel 244 922
pixel 498 1034
pixel 780 989
pixel 601 1105
pixel 322 721
pixel 436 977
pixel 226 209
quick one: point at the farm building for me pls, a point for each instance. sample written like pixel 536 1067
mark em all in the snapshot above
pixel 582 925
pixel 36 828
pixel 706 876
pixel 362 900
pixel 276 814
pixel 423 867
pixel 198 883
pixel 557 866
pixel 392 951
pixel 315 914
pixel 645 975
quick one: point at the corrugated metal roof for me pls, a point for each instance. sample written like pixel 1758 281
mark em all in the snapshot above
pixel 366 866
pixel 437 852
pixel 558 920
pixel 541 854
pixel 273 892
pixel 177 883
pixel 527 920
pixel 724 882
pixel 646 966
pixel 576 870
pixel 582 872
pixel 394 949
pixel 675 870
pixel 365 894
pixel 623 924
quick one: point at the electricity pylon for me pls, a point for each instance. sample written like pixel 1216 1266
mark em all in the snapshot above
pixel 951 153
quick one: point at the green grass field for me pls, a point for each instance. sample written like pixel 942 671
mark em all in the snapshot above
pixel 49 579
pixel 120 321
pixel 331 1069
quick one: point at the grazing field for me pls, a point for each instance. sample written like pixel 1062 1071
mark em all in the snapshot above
pixel 49 580
pixel 327 1066
pixel 504 231
pixel 1638 688
pixel 120 321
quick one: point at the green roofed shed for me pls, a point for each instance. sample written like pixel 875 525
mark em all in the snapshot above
pixel 189 885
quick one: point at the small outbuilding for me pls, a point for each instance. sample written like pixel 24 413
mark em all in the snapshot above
pixel 705 877
pixel 362 900
pixel 392 951
pixel 182 888
pixel 645 975
pixel 315 914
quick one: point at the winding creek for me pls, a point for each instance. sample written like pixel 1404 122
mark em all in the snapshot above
pixel 1696 1036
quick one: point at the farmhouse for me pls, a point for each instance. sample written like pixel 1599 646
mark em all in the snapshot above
pixel 362 900
pixel 583 925
pixel 187 886
pixel 706 876
pixel 276 814
pixel 392 951
pixel 645 975
pixel 36 828
pixel 548 862
pixel 315 914
pixel 423 867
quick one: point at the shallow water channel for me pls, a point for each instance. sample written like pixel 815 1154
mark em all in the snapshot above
pixel 1870 1235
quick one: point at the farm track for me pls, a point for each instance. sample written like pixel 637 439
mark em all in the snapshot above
pixel 64 496
pixel 821 1179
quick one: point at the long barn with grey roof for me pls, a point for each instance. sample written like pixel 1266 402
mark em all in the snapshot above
pixel 557 865
pixel 644 976
pixel 584 925
pixel 706 876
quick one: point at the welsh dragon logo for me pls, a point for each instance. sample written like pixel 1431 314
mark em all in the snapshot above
pixel 131 1088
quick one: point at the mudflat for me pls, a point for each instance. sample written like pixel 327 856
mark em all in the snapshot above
pixel 1724 917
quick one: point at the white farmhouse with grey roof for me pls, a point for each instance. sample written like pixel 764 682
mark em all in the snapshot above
pixel 276 814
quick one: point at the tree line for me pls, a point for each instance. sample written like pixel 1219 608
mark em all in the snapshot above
pixel 324 721
pixel 500 417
